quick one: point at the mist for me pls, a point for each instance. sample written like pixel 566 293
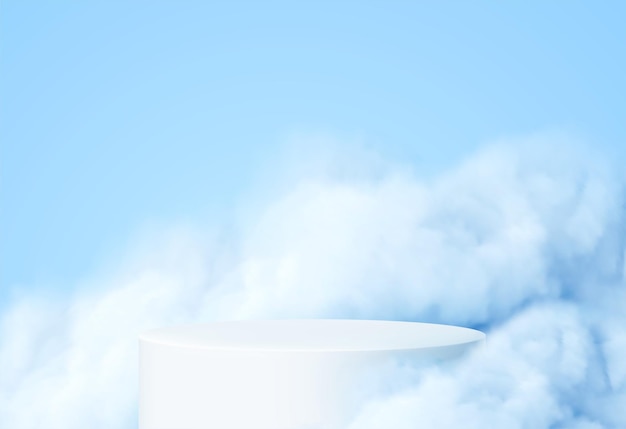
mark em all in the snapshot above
pixel 524 240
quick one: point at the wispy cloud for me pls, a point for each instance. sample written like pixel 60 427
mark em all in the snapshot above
pixel 523 240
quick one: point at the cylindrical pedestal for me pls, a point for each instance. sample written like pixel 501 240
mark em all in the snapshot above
pixel 278 374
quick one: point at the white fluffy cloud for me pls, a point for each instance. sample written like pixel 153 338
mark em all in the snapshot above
pixel 526 243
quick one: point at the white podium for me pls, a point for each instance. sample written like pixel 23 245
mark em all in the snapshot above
pixel 279 374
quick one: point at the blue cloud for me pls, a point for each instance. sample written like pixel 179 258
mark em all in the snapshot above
pixel 524 240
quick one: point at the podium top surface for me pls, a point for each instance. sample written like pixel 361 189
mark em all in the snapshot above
pixel 313 335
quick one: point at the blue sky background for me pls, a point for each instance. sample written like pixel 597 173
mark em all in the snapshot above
pixel 119 113
pixel 160 165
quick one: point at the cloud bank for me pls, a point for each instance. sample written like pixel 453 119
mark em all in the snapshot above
pixel 525 241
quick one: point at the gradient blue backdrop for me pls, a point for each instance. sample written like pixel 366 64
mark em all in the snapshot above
pixel 118 112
